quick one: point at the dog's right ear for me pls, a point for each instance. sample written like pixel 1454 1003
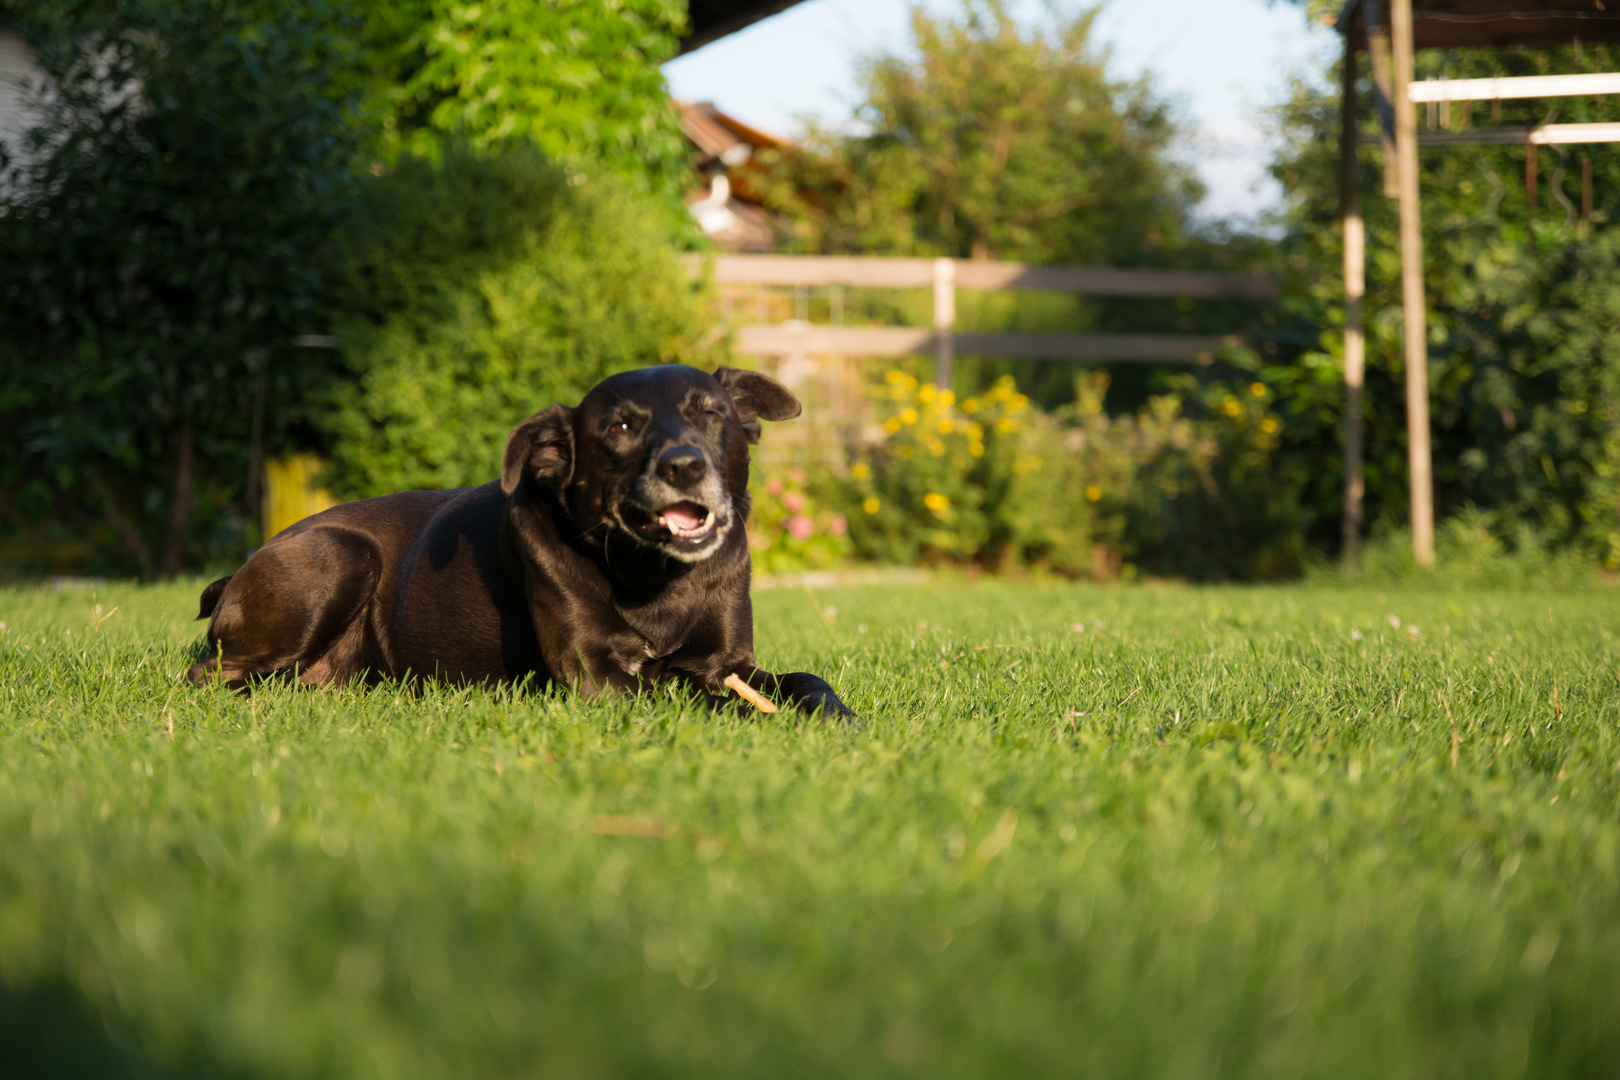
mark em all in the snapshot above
pixel 544 446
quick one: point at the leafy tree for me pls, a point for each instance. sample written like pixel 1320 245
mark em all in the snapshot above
pixel 155 258
pixel 471 292
pixel 993 141
pixel 580 78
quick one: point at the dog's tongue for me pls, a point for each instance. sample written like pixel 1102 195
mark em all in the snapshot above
pixel 685 515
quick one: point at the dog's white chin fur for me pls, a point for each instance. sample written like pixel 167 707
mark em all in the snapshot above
pixel 713 540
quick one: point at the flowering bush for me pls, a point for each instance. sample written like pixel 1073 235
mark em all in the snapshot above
pixel 987 480
pixel 789 531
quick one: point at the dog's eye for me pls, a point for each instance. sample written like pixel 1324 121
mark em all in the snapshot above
pixel 618 427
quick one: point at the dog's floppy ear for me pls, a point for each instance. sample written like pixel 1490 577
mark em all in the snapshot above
pixel 758 397
pixel 544 445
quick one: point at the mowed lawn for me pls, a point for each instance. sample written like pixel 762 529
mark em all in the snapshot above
pixel 1177 832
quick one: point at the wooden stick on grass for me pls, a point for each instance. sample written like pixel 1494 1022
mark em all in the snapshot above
pixel 749 694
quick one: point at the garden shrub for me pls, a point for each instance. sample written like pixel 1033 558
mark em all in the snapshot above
pixel 156 226
pixel 793 526
pixel 472 292
pixel 986 480
pixel 1184 487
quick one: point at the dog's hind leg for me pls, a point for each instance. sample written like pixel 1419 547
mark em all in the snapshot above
pixel 289 606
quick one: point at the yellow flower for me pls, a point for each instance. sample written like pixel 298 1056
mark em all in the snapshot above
pixel 976 449
pixel 1006 424
pixel 936 502
pixel 894 377
pixel 1230 406
pixel 926 394
pixel 908 416
pixel 1018 401
pixel 911 382
pixel 947 398
pixel 971 405
pixel 1093 492
pixel 1269 425
pixel 936 448
pixel 861 470
pixel 892 424
pixel 871 504
pixel 1257 389
pixel 946 426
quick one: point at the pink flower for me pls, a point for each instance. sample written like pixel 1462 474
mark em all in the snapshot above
pixel 796 476
pixel 774 486
pixel 801 526
pixel 793 501
pixel 838 526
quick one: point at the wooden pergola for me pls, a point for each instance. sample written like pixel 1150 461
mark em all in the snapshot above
pixel 1389 31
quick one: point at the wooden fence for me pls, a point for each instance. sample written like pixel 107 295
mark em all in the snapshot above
pixel 945 276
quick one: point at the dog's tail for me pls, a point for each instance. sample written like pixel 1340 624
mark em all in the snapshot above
pixel 211 595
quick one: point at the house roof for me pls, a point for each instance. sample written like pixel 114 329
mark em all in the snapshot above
pixel 1471 24
pixel 713 19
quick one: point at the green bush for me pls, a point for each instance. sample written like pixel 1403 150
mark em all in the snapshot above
pixel 470 293
pixel 155 240
pixel 1185 487
pixel 988 481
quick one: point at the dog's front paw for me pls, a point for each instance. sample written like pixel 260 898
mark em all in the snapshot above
pixel 814 696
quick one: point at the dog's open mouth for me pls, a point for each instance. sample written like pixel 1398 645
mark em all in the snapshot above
pixel 685 520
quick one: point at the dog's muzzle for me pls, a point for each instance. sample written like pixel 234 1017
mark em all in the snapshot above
pixel 680 505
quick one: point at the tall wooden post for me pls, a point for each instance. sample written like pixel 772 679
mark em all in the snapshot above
pixel 1383 87
pixel 1354 288
pixel 1418 459
pixel 944 320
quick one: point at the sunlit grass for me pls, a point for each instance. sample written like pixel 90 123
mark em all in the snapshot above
pixel 1150 832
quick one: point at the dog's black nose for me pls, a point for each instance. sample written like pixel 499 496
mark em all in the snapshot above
pixel 681 467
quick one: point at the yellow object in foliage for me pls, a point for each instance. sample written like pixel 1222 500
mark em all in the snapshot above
pixel 290 494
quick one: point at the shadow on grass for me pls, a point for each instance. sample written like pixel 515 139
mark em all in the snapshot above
pixel 50 1031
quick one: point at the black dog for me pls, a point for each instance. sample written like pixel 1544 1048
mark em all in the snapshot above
pixel 610 554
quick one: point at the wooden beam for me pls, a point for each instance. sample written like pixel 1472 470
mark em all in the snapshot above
pixel 1545 135
pixel 1354 288
pixel 790 338
pixel 1530 86
pixel 1418 457
pixel 885 273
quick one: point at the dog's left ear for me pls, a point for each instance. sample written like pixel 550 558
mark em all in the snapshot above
pixel 757 397
pixel 542 445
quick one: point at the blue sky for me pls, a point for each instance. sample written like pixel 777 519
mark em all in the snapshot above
pixel 1221 61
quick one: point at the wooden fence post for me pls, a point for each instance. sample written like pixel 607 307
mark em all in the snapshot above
pixel 944 320
pixel 1354 288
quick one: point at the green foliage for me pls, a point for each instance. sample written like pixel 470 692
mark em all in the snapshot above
pixel 579 79
pixel 989 481
pixel 1523 312
pixel 1264 826
pixel 993 141
pixel 154 260
pixel 470 293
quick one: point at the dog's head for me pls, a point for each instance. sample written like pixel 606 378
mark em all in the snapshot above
pixel 659 454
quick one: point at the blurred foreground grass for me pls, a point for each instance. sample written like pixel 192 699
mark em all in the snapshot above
pixel 1121 832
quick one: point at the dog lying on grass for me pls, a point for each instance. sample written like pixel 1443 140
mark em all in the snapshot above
pixel 610 554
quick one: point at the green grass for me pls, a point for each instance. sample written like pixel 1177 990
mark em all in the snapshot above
pixel 1236 832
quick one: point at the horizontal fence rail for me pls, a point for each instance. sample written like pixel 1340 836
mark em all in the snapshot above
pixel 1507 88
pixel 1545 135
pixel 801 338
pixel 886 273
